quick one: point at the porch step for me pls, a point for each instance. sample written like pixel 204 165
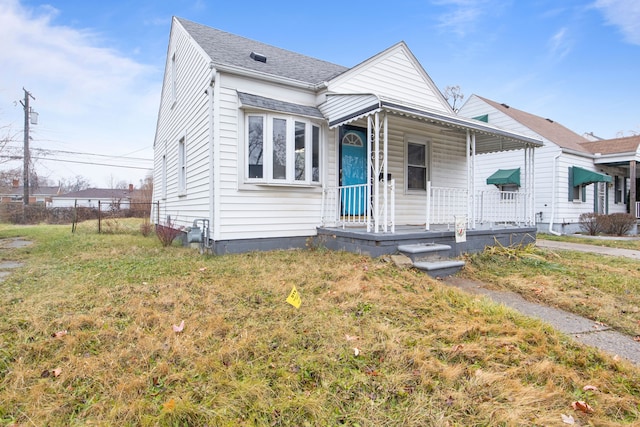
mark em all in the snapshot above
pixel 440 269
pixel 425 251
pixel 432 258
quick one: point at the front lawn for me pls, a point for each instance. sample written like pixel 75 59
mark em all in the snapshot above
pixel 90 334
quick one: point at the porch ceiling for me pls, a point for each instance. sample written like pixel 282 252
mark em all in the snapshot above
pixel 341 109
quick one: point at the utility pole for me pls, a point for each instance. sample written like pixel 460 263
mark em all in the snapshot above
pixel 26 154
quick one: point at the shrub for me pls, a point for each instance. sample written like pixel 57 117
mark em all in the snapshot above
pixel 145 228
pixel 167 232
pixel 617 224
pixel 591 223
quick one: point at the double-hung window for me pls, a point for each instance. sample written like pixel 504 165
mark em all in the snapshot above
pixel 282 150
pixel 182 166
pixel 417 165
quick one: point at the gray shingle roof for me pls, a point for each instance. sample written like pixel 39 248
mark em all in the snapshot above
pixel 275 105
pixel 228 49
pixel 98 193
pixel 547 128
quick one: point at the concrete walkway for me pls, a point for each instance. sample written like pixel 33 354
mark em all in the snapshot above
pixel 581 329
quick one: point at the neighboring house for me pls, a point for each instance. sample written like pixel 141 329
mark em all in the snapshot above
pixel 572 176
pixel 624 155
pixel 107 198
pixel 37 194
pixel 273 148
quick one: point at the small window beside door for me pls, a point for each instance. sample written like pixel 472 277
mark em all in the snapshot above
pixel 417 165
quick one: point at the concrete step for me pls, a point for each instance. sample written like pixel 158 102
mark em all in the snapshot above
pixel 439 269
pixel 425 251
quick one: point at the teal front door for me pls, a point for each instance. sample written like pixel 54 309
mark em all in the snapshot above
pixel 353 167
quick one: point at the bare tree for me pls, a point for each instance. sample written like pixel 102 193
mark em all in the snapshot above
pixel 453 94
pixel 75 184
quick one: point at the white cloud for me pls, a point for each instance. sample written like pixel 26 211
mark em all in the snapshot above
pixel 90 98
pixel 624 14
pixel 463 15
pixel 559 44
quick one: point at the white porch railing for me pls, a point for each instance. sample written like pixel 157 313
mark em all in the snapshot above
pixel 638 210
pixel 445 204
pixel 350 205
pixel 494 207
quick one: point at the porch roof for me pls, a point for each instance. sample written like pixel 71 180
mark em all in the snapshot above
pixel 340 109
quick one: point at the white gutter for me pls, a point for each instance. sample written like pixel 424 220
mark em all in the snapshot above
pixel 554 186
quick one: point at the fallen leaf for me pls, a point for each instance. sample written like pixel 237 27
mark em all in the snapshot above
pixel 590 388
pixel 636 338
pixel 567 419
pixel 169 405
pixel 59 334
pixel 350 337
pixel 582 406
pixel 56 372
pixel 449 401
pixel 457 348
pixel 45 374
pixel 202 269
pixel 356 352
pixel 178 328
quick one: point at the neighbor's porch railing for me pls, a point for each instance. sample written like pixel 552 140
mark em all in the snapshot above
pixel 637 210
pixel 351 205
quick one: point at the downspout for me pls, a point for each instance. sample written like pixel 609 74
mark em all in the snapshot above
pixel 554 196
pixel 214 168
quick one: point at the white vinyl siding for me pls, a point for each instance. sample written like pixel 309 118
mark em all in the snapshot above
pixel 187 116
pixel 393 75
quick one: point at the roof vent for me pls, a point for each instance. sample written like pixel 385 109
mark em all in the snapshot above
pixel 505 105
pixel 258 57
pixel 549 120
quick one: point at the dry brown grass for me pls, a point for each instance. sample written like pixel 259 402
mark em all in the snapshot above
pixel 602 288
pixel 428 355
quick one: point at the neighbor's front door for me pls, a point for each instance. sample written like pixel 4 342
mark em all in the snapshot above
pixel 353 167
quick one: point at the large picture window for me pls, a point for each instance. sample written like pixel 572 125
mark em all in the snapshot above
pixel 417 165
pixel 292 146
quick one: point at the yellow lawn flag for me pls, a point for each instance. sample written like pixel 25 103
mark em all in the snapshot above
pixel 294 298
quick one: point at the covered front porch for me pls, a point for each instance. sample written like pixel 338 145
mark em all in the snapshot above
pixel 420 172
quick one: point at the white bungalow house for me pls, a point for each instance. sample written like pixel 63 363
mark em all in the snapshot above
pixel 274 149
pixel 572 175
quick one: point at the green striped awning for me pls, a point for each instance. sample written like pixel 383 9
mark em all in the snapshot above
pixel 505 177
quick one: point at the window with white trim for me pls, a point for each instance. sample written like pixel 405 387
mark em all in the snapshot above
pixel 291 145
pixel 417 161
pixel 182 166
pixel 164 176
pixel 173 79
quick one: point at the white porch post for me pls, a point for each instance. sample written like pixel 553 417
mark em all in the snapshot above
pixel 369 183
pixel 529 208
pixel 377 170
pixel 532 187
pixel 385 147
pixel 471 187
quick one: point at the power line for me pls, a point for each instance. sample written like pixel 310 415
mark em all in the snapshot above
pixel 76 161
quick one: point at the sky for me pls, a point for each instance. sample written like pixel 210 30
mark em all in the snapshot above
pixel 95 69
